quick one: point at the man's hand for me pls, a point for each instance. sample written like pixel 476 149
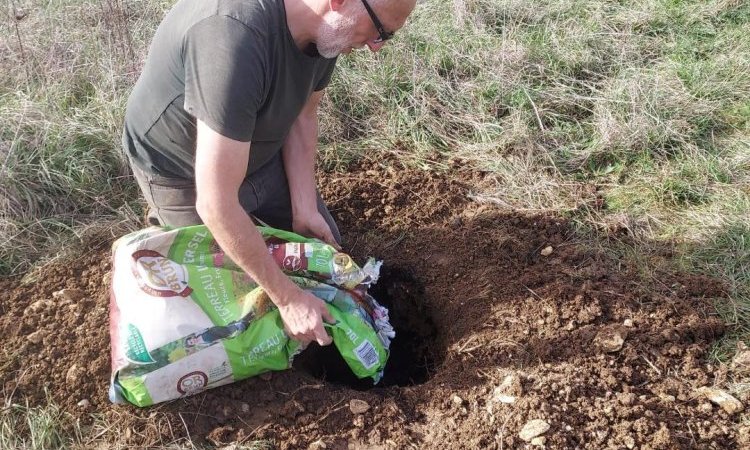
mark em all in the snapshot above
pixel 314 225
pixel 219 172
pixel 303 316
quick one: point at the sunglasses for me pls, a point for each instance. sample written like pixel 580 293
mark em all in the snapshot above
pixel 382 34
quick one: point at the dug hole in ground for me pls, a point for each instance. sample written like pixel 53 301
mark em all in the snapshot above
pixel 511 333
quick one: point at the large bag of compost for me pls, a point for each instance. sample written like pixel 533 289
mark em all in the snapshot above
pixel 185 318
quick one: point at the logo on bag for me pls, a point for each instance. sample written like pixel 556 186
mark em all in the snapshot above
pixel 159 276
pixel 292 263
pixel 192 383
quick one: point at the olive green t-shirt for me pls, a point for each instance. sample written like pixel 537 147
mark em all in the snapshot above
pixel 232 64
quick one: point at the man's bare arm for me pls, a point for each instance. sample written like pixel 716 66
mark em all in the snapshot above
pixel 220 166
pixel 299 163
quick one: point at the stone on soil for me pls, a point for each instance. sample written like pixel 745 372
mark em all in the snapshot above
pixel 546 251
pixel 73 373
pixel 37 306
pixel 68 295
pixel 626 398
pixel 611 339
pixel 532 429
pixel 507 391
pixel 539 441
pixel 722 398
pixel 35 337
pixel 318 445
pixel 84 403
pixel 358 406
pixel 741 362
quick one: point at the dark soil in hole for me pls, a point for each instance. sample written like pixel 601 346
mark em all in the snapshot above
pixel 413 356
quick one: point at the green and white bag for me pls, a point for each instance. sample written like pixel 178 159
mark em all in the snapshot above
pixel 185 318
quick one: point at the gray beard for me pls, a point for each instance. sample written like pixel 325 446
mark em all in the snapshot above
pixel 334 38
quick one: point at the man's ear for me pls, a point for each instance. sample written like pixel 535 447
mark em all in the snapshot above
pixel 336 5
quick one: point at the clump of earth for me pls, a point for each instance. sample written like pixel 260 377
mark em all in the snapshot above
pixel 513 332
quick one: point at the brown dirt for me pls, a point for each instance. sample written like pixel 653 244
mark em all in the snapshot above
pixel 476 301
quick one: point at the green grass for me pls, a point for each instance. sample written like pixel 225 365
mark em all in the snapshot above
pixel 641 102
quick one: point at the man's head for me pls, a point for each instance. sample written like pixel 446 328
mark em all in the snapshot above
pixel 350 24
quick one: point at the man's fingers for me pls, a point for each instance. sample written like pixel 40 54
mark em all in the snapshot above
pixel 330 240
pixel 321 336
pixel 324 234
pixel 327 315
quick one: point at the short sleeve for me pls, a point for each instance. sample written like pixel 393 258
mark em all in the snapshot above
pixel 326 78
pixel 224 76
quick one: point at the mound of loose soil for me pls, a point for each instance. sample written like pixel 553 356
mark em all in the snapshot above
pixel 484 318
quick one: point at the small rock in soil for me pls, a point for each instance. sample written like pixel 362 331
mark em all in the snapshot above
pixel 37 306
pixel 317 445
pixel 628 323
pixel 35 337
pixel 84 403
pixel 71 376
pixel 292 409
pixel 532 429
pixel 508 390
pixel 499 397
pixel 667 398
pixel 539 441
pixel 626 398
pixel 610 339
pixel 357 406
pixel 546 251
pixel 722 398
pixel 68 295
pixel 458 401
pixel 741 362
